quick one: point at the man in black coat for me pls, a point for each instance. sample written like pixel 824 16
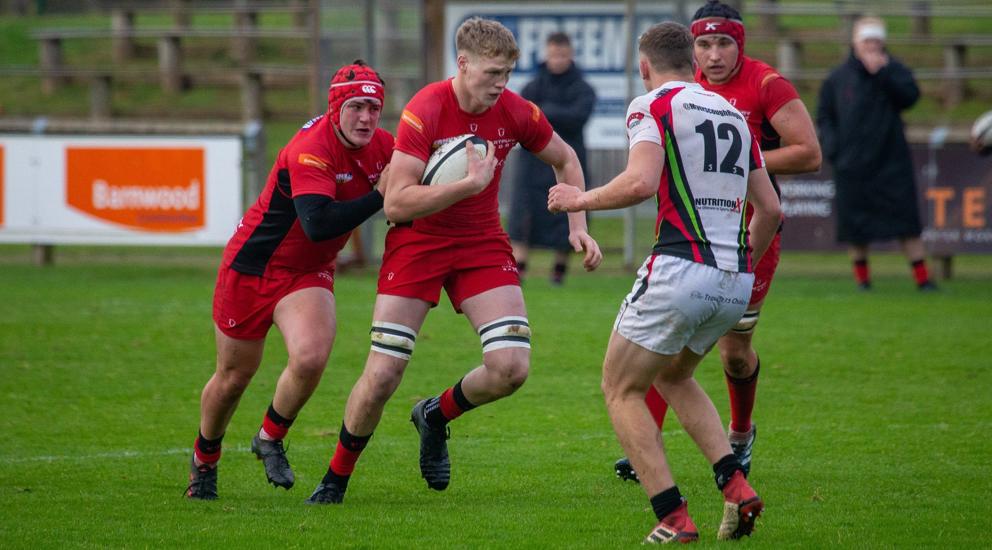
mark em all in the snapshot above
pixel 567 100
pixel 862 135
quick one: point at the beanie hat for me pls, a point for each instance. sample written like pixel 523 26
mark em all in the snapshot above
pixel 718 18
pixel 350 83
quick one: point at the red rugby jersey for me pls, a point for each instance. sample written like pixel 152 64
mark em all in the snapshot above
pixel 758 92
pixel 315 162
pixel 433 117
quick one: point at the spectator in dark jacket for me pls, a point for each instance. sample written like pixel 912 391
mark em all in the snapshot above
pixel 862 135
pixel 567 100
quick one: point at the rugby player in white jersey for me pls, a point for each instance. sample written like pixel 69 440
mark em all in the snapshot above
pixel 693 152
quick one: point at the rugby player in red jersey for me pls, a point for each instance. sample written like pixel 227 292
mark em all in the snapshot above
pixel 278 268
pixel 781 123
pixel 449 236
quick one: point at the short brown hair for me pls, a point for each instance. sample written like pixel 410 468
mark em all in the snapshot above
pixel 559 39
pixel 487 38
pixel 668 46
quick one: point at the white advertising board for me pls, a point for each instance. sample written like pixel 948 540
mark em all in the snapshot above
pixel 119 189
pixel 598 34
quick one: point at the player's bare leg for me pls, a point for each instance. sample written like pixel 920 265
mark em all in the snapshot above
pixel 692 405
pixel 499 316
pixel 383 373
pixel 306 320
pixel 237 362
pixel 503 369
pixel 701 421
pixel 628 371
pixel 396 322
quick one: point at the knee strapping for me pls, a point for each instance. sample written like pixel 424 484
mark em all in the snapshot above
pixel 747 323
pixel 505 332
pixel 393 339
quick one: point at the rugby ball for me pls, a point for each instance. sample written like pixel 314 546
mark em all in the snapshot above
pixel 449 162
pixel 981 131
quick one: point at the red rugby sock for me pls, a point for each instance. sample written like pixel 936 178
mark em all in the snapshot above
pixel 920 273
pixel 346 454
pixel 861 274
pixel 742 392
pixel 275 425
pixel 207 451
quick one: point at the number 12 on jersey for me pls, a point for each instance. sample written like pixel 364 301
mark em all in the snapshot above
pixel 725 131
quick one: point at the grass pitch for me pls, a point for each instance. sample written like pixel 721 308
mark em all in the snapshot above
pixel 873 411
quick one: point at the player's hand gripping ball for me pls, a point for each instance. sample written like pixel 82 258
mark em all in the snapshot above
pixel 449 162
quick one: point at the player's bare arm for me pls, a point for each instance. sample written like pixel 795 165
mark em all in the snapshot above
pixel 406 199
pixel 562 158
pixel 800 150
pixel 637 183
pixel 767 212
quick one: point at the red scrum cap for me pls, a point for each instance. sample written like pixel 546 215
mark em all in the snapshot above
pixel 353 82
pixel 718 18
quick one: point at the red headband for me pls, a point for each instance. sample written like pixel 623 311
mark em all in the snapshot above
pixel 720 25
pixel 353 82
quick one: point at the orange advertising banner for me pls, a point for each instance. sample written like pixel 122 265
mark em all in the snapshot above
pixel 151 189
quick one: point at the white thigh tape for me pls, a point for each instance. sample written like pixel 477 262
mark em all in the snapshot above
pixel 747 323
pixel 393 339
pixel 505 332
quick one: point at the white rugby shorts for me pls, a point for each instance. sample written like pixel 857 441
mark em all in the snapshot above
pixel 677 303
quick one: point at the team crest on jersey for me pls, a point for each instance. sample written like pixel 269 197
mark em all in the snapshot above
pixel 312 121
pixel 473 127
pixel 343 177
pixel 634 119
pixel 501 132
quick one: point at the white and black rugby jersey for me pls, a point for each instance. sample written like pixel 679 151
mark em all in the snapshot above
pixel 709 152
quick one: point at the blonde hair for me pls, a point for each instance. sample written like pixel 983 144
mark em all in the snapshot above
pixel 487 38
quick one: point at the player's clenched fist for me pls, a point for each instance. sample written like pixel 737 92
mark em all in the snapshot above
pixel 564 198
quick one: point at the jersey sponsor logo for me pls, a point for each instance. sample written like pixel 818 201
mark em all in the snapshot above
pixel 719 112
pixel 634 119
pixel 343 177
pixel 412 120
pixel 307 159
pixel 312 121
pixel 153 189
pixel 714 203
